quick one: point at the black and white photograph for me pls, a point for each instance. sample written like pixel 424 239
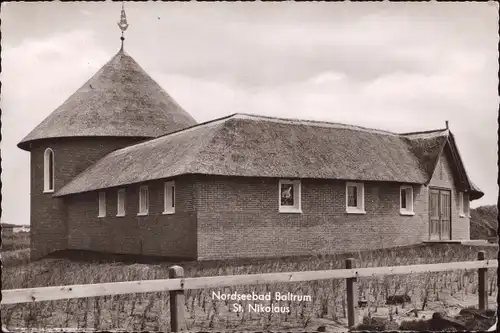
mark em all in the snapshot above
pixel 249 166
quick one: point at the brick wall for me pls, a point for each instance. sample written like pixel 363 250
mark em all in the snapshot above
pixel 48 214
pixel 443 177
pixel 239 217
pixel 222 217
pixel 155 234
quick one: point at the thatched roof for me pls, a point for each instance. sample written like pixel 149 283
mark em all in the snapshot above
pixel 119 100
pixel 466 184
pixel 257 146
pixel 427 147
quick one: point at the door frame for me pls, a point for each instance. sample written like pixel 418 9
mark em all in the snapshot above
pixel 440 189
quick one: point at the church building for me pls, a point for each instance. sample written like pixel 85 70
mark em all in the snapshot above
pixel 122 168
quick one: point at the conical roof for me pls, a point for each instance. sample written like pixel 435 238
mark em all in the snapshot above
pixel 120 100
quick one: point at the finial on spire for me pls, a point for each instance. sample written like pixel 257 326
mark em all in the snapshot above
pixel 446 122
pixel 123 25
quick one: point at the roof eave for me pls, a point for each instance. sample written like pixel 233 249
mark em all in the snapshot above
pixel 464 179
pixel 24 145
pixel 475 192
pixel 63 192
pixel 475 195
pixel 27 144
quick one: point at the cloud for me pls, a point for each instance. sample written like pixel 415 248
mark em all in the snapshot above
pixel 328 78
pixel 37 76
pixel 254 51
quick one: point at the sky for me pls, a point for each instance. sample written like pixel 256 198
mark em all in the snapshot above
pixel 395 66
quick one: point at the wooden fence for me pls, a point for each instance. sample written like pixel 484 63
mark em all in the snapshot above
pixel 177 283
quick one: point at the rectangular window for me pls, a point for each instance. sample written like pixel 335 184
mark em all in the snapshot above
pixel 120 209
pixel 463 202
pixel 355 201
pixel 406 200
pixel 403 198
pixel 143 200
pixel 102 204
pixel 352 193
pixel 169 198
pixel 289 196
pixel 466 206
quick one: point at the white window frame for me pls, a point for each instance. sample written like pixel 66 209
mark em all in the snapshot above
pixel 360 209
pixel 102 204
pixel 143 201
pixel 463 205
pixel 297 193
pixel 409 200
pixel 120 203
pixel 467 208
pixel 168 208
pixel 461 212
pixel 46 173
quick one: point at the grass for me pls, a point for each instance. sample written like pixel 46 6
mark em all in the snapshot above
pixel 16 241
pixel 15 249
pixel 16 257
pixel 151 311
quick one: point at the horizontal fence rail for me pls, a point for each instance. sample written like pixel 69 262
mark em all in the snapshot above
pixel 13 296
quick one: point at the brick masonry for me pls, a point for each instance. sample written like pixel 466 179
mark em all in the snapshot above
pixel 224 217
pixel 156 234
pixel 49 215
pixel 226 229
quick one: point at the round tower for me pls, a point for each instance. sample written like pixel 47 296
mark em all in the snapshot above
pixel 119 106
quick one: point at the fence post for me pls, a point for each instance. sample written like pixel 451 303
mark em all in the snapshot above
pixel 177 319
pixel 482 280
pixel 351 289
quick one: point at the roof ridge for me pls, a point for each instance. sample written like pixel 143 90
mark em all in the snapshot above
pixel 242 115
pixel 317 122
pixel 425 132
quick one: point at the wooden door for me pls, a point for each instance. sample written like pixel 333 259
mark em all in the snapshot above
pixel 445 210
pixel 439 214
pixel 434 215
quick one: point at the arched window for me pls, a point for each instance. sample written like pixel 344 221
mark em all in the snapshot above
pixel 48 170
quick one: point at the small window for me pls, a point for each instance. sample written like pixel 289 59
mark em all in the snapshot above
pixel 102 204
pixel 289 196
pixel 355 201
pixel 406 200
pixel 48 170
pixel 120 207
pixel 463 204
pixel 143 200
pixel 169 198
pixel 466 205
